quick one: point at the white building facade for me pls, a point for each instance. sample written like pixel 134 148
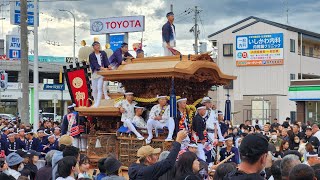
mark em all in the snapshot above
pixel 261 91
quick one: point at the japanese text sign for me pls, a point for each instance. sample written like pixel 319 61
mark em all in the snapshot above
pixel 259 49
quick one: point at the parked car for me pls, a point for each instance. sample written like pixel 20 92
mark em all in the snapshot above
pixel 46 116
pixel 10 117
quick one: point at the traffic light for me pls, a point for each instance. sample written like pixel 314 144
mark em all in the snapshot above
pixel 3 80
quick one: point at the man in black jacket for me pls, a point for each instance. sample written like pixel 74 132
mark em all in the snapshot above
pixel 148 168
pixel 253 154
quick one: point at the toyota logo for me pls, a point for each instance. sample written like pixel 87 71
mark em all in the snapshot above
pixel 97 26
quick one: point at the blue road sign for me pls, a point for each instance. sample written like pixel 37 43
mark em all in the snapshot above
pixel 57 87
pixel 116 41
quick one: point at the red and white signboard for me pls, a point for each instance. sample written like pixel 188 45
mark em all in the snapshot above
pixel 117 25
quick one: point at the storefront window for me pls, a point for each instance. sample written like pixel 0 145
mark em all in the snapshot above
pixel 261 110
pixel 312 111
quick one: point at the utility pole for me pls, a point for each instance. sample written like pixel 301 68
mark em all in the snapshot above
pixel 36 69
pixel 24 62
pixel 196 30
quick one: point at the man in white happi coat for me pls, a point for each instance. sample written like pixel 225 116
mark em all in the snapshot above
pixel 159 118
pixel 138 120
pixel 212 120
pixel 126 107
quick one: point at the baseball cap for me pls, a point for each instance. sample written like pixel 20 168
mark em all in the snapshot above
pixel 13 159
pixel 309 128
pixel 66 140
pixel 145 151
pixel 253 145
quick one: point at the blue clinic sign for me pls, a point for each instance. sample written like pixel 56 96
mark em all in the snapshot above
pixel 57 87
pixel 260 41
pixel 259 49
pixel 15 13
pixel 13 47
pixel 116 41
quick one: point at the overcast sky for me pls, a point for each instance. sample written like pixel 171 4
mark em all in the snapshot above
pixel 215 14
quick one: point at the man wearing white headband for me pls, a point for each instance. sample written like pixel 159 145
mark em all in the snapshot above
pixel 71 125
pixel 312 158
pixel 32 142
pixel 228 150
pixel 138 119
pixel 182 120
pixel 159 118
pixel 21 135
pixel 57 132
pixel 52 144
pixel 126 108
pixel 211 120
pixel 199 133
pixel 13 144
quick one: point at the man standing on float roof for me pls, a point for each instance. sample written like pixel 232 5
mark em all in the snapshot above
pixel 168 35
pixel 98 61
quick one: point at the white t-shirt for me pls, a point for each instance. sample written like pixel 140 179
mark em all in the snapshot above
pixel 173 44
pixel 99 58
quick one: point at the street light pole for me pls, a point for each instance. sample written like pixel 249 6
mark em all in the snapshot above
pixel 74 36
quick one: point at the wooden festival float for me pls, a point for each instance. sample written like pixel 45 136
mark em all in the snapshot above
pixel 191 76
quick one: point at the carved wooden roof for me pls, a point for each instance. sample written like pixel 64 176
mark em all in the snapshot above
pixel 193 75
pixel 194 68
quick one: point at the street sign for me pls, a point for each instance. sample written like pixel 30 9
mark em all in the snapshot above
pixel 70 59
pixel 15 13
pixel 117 25
pixel 56 87
pixel 116 41
pixel 13 47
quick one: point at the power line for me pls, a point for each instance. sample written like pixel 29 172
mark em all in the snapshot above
pixel 186 14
